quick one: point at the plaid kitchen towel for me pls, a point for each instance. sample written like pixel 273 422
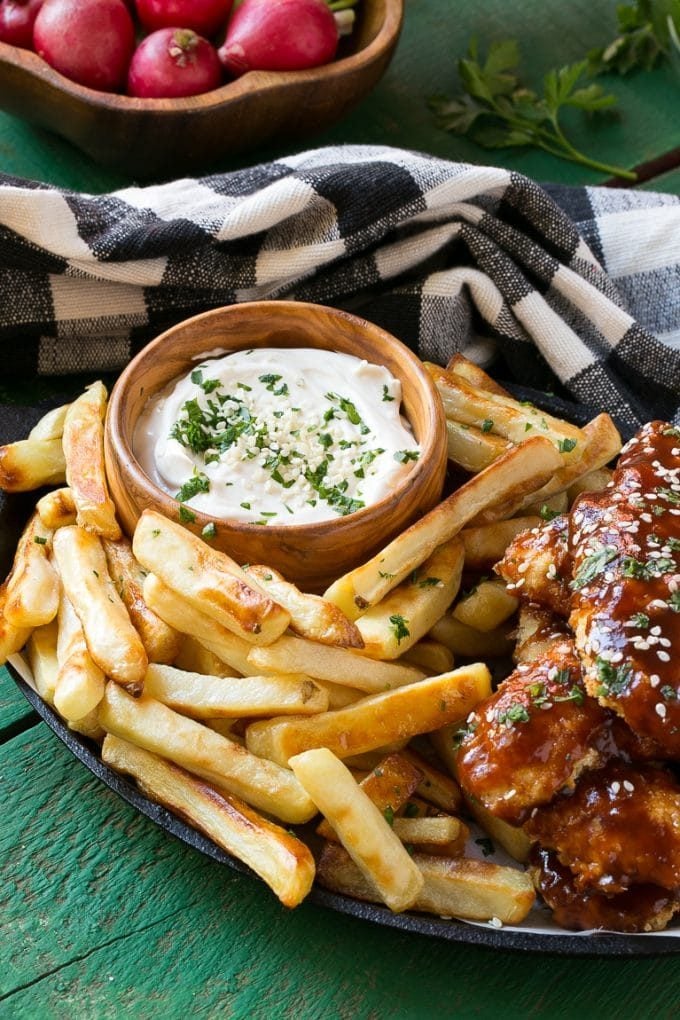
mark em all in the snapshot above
pixel 580 285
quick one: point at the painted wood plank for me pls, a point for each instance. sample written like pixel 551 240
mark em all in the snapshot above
pixel 102 915
pixel 668 182
pixel 15 711
pixel 436 33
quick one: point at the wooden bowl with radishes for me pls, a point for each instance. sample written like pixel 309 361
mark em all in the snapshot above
pixel 149 137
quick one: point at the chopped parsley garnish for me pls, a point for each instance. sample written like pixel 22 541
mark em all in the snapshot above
pixel 210 530
pixel 385 575
pixel 402 456
pixel 487 425
pixel 333 495
pixel 613 679
pixel 350 410
pixel 640 620
pixel 548 514
pixel 398 626
pixel 674 601
pixel 246 506
pixel 562 676
pixel 388 812
pixel 515 713
pixel 386 393
pixel 566 445
pixel 197 483
pixel 672 431
pixel 429 582
pixel 39 540
pixel 575 694
pixel 592 566
pixel 668 693
pixel 667 493
pixel 411 810
pixel 186 515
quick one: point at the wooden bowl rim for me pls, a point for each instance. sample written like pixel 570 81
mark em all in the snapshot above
pixel 251 84
pixel 433 443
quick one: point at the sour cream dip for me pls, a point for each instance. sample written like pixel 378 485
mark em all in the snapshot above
pixel 278 436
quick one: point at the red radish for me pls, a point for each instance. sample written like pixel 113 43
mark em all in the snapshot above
pixel 279 35
pixel 16 21
pixel 206 17
pixel 173 62
pixel 88 41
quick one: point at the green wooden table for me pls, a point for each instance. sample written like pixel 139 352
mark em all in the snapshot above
pixel 102 914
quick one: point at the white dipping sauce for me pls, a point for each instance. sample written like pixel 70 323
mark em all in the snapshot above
pixel 278 436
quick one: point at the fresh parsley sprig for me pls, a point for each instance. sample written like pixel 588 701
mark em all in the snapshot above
pixel 648 32
pixel 496 110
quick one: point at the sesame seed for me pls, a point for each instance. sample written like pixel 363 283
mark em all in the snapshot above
pixel 615 787
pixel 664 656
pixel 627 785
pixel 660 710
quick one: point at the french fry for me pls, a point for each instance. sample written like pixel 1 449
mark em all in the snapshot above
pixel 501 415
pixel 113 642
pixel 594 481
pixel 452 887
pixel 57 509
pixel 435 786
pixel 486 544
pixel 83 443
pixel 476 376
pixel 388 785
pixel 33 584
pixel 194 657
pixel 338 694
pixel 278 857
pixel 51 425
pixel 360 826
pixel 160 641
pixel 409 611
pixel 442 835
pixel 223 643
pixel 375 720
pixel 208 580
pixel 208 697
pixel 79 683
pixel 323 662
pixel 472 449
pixel 88 726
pixel 225 727
pixel 31 463
pixel 42 658
pixel 261 783
pixel 486 607
pixel 12 639
pixel 470 643
pixel 431 656
pixel 557 504
pixel 525 468
pixel 310 615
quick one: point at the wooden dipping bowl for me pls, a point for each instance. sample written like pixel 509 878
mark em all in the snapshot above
pixel 148 138
pixel 311 555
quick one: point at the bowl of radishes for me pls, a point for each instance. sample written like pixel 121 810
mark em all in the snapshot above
pixel 157 88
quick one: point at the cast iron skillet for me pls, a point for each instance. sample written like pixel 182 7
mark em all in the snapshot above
pixel 15 422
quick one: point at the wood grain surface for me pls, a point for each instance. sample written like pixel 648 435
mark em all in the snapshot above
pixel 102 914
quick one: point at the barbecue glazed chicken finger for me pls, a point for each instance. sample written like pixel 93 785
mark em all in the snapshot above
pixel 536 566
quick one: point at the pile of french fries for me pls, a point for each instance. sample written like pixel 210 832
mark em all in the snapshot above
pixel 245 705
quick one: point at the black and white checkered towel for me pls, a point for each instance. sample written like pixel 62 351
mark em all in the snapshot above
pixel 576 284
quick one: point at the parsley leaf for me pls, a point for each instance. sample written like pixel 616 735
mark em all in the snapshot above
pixel 592 565
pixel 399 628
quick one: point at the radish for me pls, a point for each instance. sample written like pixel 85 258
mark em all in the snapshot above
pixel 173 62
pixel 206 17
pixel 89 41
pixel 279 35
pixel 16 21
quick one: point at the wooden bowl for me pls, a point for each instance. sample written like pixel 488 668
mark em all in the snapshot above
pixel 148 137
pixel 312 555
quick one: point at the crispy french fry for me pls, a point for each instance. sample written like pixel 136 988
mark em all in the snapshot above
pixel 12 639
pixel 389 785
pixel 476 376
pixel 195 658
pixel 310 615
pixel 208 580
pixel 261 783
pixel 442 835
pixel 33 583
pixel 79 683
pixel 501 415
pixel 42 658
pixel 375 720
pixel 408 612
pixel 594 481
pixel 486 544
pixel 323 662
pixel 51 425
pixel 57 509
pixel 452 887
pixel 223 643
pixel 435 786
pixel 160 641
pixel 557 504
pixel 278 857
pixel 83 442
pixel 114 644
pixel 360 826
pixel 31 463
pixel 338 694
pixel 486 607
pixel 471 643
pixel 225 727
pixel 208 697
pixel 471 448
pixel 525 468
pixel 431 656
